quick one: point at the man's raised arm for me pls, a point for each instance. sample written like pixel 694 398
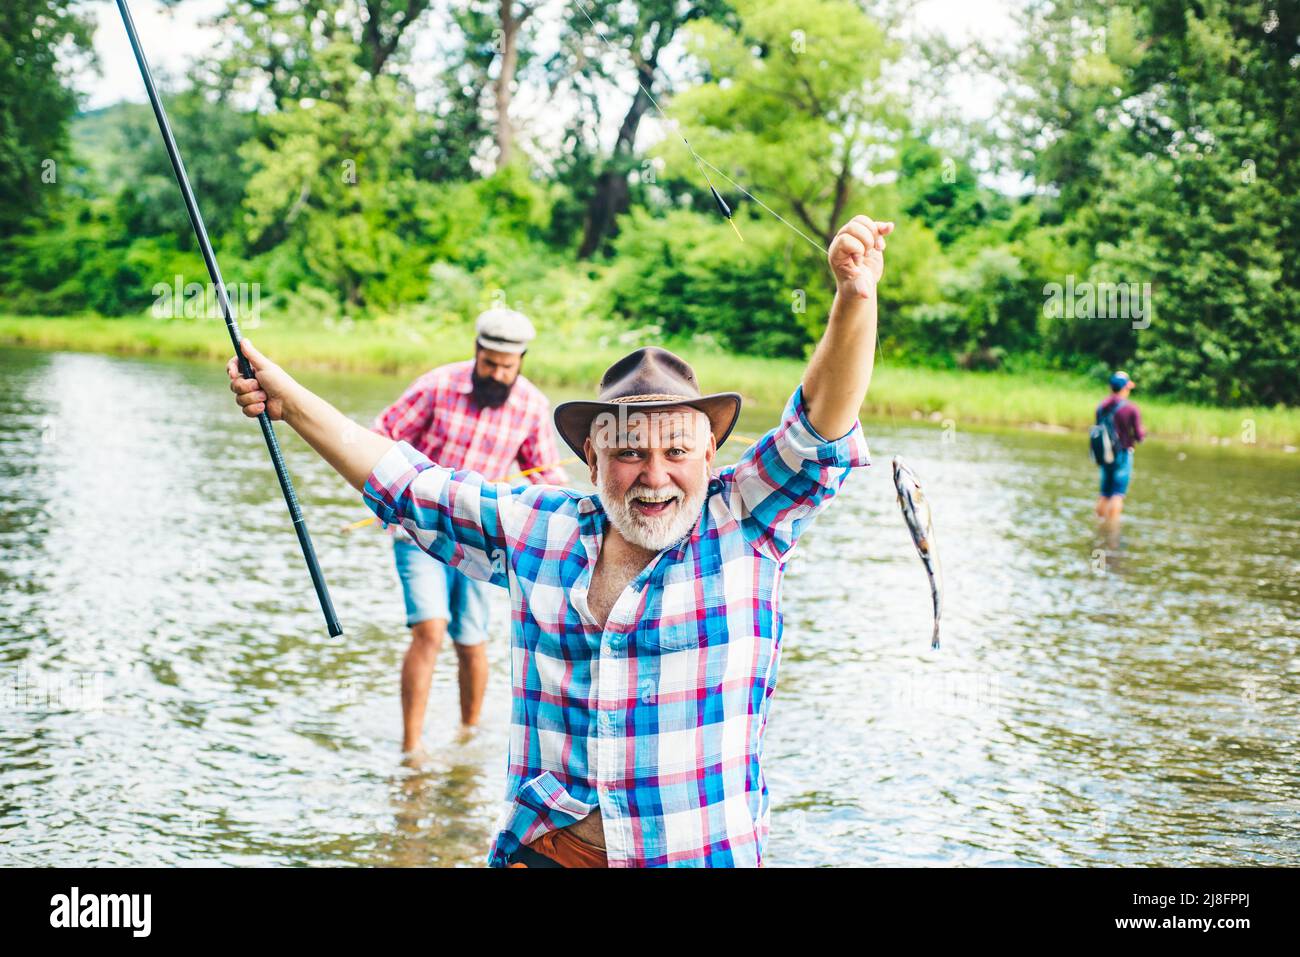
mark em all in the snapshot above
pixel 839 372
pixel 351 449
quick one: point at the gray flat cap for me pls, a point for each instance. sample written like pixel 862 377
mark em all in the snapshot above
pixel 504 330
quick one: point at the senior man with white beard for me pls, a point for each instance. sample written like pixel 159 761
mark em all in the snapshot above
pixel 646 619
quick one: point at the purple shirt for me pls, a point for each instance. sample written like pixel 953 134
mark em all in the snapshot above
pixel 1128 421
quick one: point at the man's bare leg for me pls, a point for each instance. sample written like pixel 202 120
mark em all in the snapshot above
pixel 472 671
pixel 417 675
pixel 1116 507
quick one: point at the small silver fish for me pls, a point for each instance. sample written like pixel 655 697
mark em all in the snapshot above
pixel 916 513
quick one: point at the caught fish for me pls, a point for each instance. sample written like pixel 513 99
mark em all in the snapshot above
pixel 916 513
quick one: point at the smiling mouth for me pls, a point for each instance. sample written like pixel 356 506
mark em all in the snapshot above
pixel 653 506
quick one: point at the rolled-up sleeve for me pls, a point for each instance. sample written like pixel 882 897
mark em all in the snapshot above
pixel 455 515
pixel 785 479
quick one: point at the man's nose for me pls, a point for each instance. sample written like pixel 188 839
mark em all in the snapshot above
pixel 501 375
pixel 654 472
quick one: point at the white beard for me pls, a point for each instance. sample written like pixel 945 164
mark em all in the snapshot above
pixel 652 532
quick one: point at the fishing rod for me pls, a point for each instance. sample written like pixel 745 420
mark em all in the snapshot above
pixel 214 271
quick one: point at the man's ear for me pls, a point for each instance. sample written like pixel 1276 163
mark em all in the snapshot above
pixel 589 453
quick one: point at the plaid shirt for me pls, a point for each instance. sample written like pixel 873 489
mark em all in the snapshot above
pixel 658 718
pixel 437 415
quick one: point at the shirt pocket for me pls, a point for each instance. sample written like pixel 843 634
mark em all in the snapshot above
pixel 688 609
pixel 683 625
pixel 681 635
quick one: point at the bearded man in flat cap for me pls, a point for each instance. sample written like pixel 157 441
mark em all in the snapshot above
pixel 646 619
pixel 480 414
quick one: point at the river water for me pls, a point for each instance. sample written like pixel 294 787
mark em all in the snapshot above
pixel 170 697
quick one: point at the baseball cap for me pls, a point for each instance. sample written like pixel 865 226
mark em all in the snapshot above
pixel 1119 380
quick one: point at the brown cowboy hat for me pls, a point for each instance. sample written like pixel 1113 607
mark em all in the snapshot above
pixel 644 380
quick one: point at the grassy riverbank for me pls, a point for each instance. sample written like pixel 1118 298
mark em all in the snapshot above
pixel 577 357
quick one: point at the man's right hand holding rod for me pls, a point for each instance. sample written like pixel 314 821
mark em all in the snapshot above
pixel 351 449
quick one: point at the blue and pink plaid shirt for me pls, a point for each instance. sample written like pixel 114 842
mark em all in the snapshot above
pixel 657 718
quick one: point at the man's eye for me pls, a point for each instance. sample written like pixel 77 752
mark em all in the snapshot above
pixel 676 451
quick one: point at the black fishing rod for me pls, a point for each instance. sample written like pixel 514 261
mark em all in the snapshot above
pixel 210 258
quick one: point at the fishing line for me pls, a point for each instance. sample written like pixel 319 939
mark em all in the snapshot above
pixel 701 162
pixel 764 205
pixel 672 124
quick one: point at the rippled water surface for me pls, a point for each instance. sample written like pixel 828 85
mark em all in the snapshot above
pixel 170 695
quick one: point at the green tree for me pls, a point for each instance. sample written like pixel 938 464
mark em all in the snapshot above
pixel 688 276
pixel 324 185
pixel 598 34
pixel 278 42
pixel 792 109
pixel 1168 138
pixel 943 191
pixel 42 42
pixel 792 104
pixel 136 167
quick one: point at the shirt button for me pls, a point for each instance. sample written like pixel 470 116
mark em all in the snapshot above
pixel 616 641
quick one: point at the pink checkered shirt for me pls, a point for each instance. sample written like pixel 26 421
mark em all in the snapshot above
pixel 437 415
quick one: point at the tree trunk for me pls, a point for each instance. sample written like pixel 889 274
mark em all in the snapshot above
pixel 612 196
pixel 509 61
pixel 380 37
pixel 610 199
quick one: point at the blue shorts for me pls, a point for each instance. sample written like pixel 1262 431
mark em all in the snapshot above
pixel 432 589
pixel 1114 477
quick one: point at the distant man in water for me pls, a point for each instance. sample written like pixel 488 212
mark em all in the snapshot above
pixel 479 414
pixel 1128 427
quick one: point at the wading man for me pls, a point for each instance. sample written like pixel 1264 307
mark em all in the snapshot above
pixel 482 415
pixel 1126 422
pixel 646 619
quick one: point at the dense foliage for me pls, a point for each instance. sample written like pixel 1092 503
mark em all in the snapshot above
pixel 1154 144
